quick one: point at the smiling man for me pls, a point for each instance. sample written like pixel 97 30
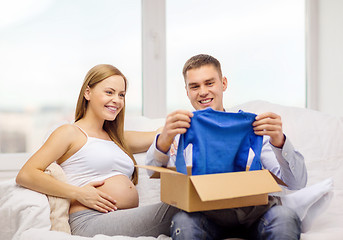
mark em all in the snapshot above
pixel 205 86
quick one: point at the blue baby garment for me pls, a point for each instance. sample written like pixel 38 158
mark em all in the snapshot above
pixel 221 142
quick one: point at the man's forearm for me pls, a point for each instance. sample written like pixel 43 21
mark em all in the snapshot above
pixel 292 166
pixel 155 157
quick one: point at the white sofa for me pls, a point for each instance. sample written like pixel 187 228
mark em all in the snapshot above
pixel 318 136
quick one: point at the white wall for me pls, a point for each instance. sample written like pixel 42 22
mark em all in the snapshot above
pixel 330 56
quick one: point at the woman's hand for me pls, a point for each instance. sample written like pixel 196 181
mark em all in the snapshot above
pixel 96 199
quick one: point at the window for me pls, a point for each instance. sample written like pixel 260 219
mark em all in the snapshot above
pixel 47 46
pixel 46 49
pixel 260 44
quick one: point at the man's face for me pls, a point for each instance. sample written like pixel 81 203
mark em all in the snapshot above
pixel 205 88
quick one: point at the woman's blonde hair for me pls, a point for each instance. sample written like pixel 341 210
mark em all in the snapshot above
pixel 115 128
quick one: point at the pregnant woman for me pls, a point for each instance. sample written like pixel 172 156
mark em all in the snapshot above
pixel 96 156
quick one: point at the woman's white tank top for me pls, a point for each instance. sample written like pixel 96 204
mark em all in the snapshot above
pixel 97 160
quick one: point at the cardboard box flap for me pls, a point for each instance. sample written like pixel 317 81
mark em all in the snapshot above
pixel 158 169
pixel 157 174
pixel 278 180
pixel 237 184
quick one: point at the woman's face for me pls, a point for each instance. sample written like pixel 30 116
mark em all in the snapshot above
pixel 107 98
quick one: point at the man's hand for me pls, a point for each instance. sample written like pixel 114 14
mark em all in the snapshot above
pixel 176 123
pixel 270 124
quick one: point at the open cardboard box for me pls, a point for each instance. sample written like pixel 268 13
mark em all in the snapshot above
pixel 216 191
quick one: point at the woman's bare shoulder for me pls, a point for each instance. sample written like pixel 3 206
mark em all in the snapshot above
pixel 66 132
pixel 68 127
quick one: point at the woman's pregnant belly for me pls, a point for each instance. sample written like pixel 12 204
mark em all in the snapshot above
pixel 120 188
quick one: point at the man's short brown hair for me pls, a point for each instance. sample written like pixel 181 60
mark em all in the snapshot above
pixel 200 60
